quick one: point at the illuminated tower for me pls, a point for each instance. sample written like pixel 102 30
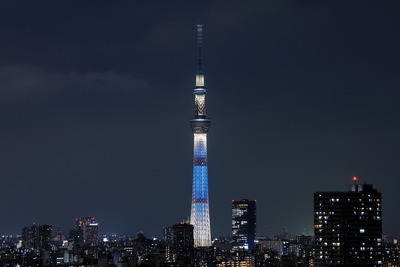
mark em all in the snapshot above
pixel 200 214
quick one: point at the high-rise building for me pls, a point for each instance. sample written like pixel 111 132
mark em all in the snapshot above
pixel 91 234
pixel 348 227
pixel 44 236
pixel 200 214
pixel 183 243
pixel 86 231
pixel 169 234
pixel 243 224
pixel 37 237
pixel 30 237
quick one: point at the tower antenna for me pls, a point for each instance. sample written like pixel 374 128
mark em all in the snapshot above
pixel 199 48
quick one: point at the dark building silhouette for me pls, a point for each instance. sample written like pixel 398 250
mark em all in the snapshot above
pixel 86 239
pixel 348 227
pixel 183 238
pixel 86 231
pixel 30 237
pixel 44 237
pixel 37 237
pixel 243 224
pixel 36 242
pixel 183 243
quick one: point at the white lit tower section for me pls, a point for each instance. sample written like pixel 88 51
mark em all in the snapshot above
pixel 200 214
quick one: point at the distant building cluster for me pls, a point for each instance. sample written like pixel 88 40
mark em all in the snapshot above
pixel 39 245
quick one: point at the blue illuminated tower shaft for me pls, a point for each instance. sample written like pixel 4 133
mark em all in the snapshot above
pixel 200 214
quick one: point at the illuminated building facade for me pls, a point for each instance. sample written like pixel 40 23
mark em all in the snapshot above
pixel 243 224
pixel 200 214
pixel 348 227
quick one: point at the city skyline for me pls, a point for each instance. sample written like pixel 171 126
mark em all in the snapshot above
pixel 304 97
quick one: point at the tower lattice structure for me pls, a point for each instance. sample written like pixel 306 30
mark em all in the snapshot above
pixel 200 214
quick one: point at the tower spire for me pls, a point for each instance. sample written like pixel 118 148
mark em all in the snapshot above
pixel 200 214
pixel 199 48
pixel 199 72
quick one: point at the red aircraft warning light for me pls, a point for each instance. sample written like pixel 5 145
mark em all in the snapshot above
pixel 355 179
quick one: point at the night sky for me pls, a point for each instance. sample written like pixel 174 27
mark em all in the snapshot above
pixel 96 97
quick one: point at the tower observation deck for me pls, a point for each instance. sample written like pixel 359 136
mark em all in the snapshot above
pixel 200 214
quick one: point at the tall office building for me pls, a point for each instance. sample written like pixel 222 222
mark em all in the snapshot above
pixel 86 231
pixel 183 242
pixel 348 227
pixel 91 235
pixel 37 237
pixel 200 214
pixel 30 237
pixel 44 236
pixel 169 234
pixel 243 224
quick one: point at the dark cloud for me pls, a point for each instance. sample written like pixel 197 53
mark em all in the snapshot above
pixel 22 81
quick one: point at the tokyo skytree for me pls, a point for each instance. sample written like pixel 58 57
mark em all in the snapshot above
pixel 200 214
